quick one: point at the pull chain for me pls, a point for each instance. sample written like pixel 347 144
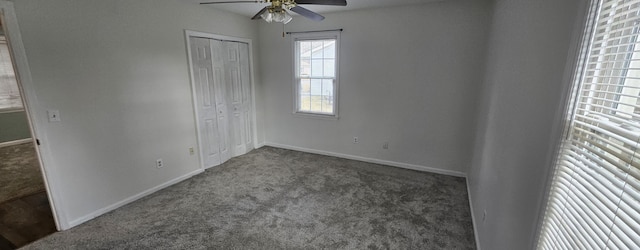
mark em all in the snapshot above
pixel 283 30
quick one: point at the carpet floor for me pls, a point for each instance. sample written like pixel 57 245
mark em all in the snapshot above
pixel 19 172
pixel 280 199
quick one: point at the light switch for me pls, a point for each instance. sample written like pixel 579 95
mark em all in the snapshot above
pixel 54 115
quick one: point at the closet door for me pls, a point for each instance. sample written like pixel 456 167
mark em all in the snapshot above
pixel 222 95
pixel 204 83
pixel 247 104
pixel 235 93
pixel 217 50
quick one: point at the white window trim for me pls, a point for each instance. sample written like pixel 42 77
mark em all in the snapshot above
pixel 296 86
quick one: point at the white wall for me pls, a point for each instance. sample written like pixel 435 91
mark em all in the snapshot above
pixel 526 74
pixel 408 75
pixel 117 71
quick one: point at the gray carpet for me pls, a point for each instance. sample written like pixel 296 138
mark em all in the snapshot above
pixel 280 199
pixel 19 172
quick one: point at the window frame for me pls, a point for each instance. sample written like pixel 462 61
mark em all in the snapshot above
pixel 311 36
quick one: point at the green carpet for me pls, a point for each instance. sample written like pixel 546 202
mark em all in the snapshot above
pixel 19 172
pixel 280 199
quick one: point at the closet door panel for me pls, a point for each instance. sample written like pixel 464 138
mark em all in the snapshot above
pixel 218 65
pixel 247 104
pixel 222 97
pixel 205 101
pixel 234 84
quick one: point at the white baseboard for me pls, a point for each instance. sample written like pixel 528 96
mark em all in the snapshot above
pixel 126 201
pixel 16 142
pixel 370 160
pixel 473 218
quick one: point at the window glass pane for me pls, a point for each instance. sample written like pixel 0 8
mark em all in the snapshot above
pixel 327 107
pixel 9 92
pixel 316 49
pixel 327 96
pixel 305 95
pixel 316 95
pixel 305 67
pixel 305 49
pixel 316 67
pixel 329 68
pixel 316 87
pixel 305 103
pixel 330 49
pixel 305 86
pixel 327 87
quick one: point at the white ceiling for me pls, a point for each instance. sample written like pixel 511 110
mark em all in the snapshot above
pixel 250 9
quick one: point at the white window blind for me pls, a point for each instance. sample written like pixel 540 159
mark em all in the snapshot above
pixel 9 92
pixel 594 202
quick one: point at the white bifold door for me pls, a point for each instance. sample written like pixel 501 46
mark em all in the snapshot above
pixel 222 96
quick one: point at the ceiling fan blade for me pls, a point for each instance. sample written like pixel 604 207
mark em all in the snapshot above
pixel 323 2
pixel 248 1
pixel 258 15
pixel 307 13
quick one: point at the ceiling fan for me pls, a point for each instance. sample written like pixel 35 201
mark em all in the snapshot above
pixel 277 11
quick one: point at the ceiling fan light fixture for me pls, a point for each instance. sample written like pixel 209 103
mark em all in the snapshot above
pixel 276 11
pixel 267 16
pixel 282 17
pixel 278 16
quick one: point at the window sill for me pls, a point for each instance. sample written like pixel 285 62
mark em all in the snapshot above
pixel 315 116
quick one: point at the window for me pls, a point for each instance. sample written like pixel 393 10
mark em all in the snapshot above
pixel 594 200
pixel 316 73
pixel 9 92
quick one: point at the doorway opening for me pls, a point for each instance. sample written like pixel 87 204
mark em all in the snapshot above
pixel 25 212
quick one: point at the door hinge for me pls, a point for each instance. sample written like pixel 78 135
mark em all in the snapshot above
pixel 38 142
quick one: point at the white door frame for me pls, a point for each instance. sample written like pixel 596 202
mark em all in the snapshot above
pixel 36 117
pixel 191 33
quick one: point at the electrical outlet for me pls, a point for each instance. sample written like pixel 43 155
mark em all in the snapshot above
pixel 159 163
pixel 385 145
pixel 54 115
pixel 355 139
pixel 191 151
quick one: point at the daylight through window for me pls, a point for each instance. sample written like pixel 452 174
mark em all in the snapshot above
pixel 9 92
pixel 594 201
pixel 316 74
